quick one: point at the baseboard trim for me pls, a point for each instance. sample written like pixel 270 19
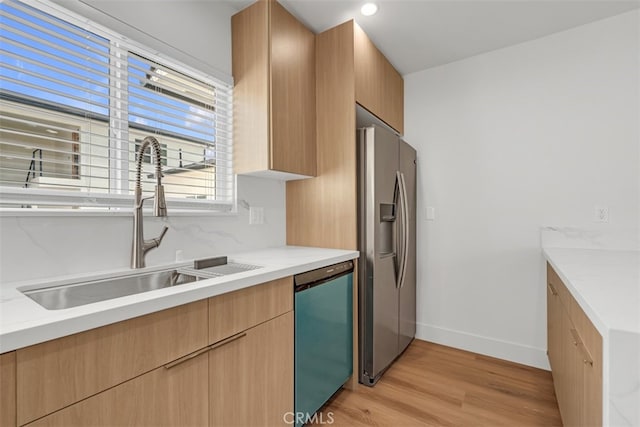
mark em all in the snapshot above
pixel 487 346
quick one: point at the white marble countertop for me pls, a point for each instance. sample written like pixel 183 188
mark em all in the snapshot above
pixel 24 322
pixel 605 283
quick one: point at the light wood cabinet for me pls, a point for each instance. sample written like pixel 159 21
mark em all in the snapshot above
pixel 251 376
pixel 322 211
pixel 226 360
pixel 176 396
pixel 575 356
pixel 273 61
pixel 251 366
pixel 379 87
pixel 349 69
pixel 236 311
pixel 57 373
pixel 8 389
pixel 554 330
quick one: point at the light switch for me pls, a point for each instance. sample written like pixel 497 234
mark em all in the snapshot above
pixel 430 213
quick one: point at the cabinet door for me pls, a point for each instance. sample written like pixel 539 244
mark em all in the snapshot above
pixel 273 57
pixel 379 87
pixel 570 382
pixel 8 389
pixel 554 329
pixel 176 396
pixel 251 376
pixel 293 94
pixel 592 411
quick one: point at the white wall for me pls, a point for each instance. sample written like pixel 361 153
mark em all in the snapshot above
pixel 195 32
pixel 532 135
pixel 34 247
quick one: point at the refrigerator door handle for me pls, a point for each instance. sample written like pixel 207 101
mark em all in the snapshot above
pixel 397 201
pixel 405 228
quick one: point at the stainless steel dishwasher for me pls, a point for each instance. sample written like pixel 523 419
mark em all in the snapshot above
pixel 323 336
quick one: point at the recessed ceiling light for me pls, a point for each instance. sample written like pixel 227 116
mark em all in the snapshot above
pixel 55 132
pixel 369 9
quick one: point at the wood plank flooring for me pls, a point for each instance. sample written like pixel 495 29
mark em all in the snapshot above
pixel 433 385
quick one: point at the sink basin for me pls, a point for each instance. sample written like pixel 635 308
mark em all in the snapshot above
pixel 81 293
pixel 76 294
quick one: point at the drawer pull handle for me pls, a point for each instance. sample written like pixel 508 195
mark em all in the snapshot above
pixel 586 357
pixel 186 358
pixel 204 350
pixel 227 341
pixel 575 337
pixel 552 289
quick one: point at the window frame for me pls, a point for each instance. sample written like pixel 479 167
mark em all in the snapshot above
pixel 113 203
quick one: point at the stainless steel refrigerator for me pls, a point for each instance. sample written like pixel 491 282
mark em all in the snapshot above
pixel 387 243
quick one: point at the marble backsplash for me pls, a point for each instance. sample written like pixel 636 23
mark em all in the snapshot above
pixel 624 239
pixel 37 246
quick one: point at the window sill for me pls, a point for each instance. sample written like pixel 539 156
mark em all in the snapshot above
pixel 128 212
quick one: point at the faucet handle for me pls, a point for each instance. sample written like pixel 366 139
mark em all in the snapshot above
pixel 164 231
pixel 158 239
pixel 154 243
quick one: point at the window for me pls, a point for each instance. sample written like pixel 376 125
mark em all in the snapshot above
pixel 78 101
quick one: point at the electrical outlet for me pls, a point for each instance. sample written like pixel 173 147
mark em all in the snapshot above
pixel 601 214
pixel 256 215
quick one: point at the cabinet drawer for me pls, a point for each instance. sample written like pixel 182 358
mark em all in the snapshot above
pixel 589 335
pixel 555 283
pixel 178 396
pixel 240 310
pixel 60 372
pixel 590 356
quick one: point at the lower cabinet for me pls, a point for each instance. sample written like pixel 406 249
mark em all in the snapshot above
pixel 251 376
pixel 175 396
pixel 243 380
pixel 575 354
pixel 225 361
pixel 8 389
pixel 58 373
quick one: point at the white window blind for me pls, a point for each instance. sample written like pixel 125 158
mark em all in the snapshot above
pixel 76 104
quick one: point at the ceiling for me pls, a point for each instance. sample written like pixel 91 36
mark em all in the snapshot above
pixel 419 34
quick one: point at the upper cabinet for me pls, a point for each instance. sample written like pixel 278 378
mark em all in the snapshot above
pixel 379 87
pixel 274 95
pixel 349 69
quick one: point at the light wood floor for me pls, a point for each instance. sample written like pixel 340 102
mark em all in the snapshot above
pixel 433 385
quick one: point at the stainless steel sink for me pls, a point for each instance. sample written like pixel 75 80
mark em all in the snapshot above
pixel 90 291
pixel 76 294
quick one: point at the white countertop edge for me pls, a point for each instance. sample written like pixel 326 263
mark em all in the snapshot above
pixel 35 331
pixel 588 310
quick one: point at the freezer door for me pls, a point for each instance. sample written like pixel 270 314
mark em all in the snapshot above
pixel 407 300
pixel 378 233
